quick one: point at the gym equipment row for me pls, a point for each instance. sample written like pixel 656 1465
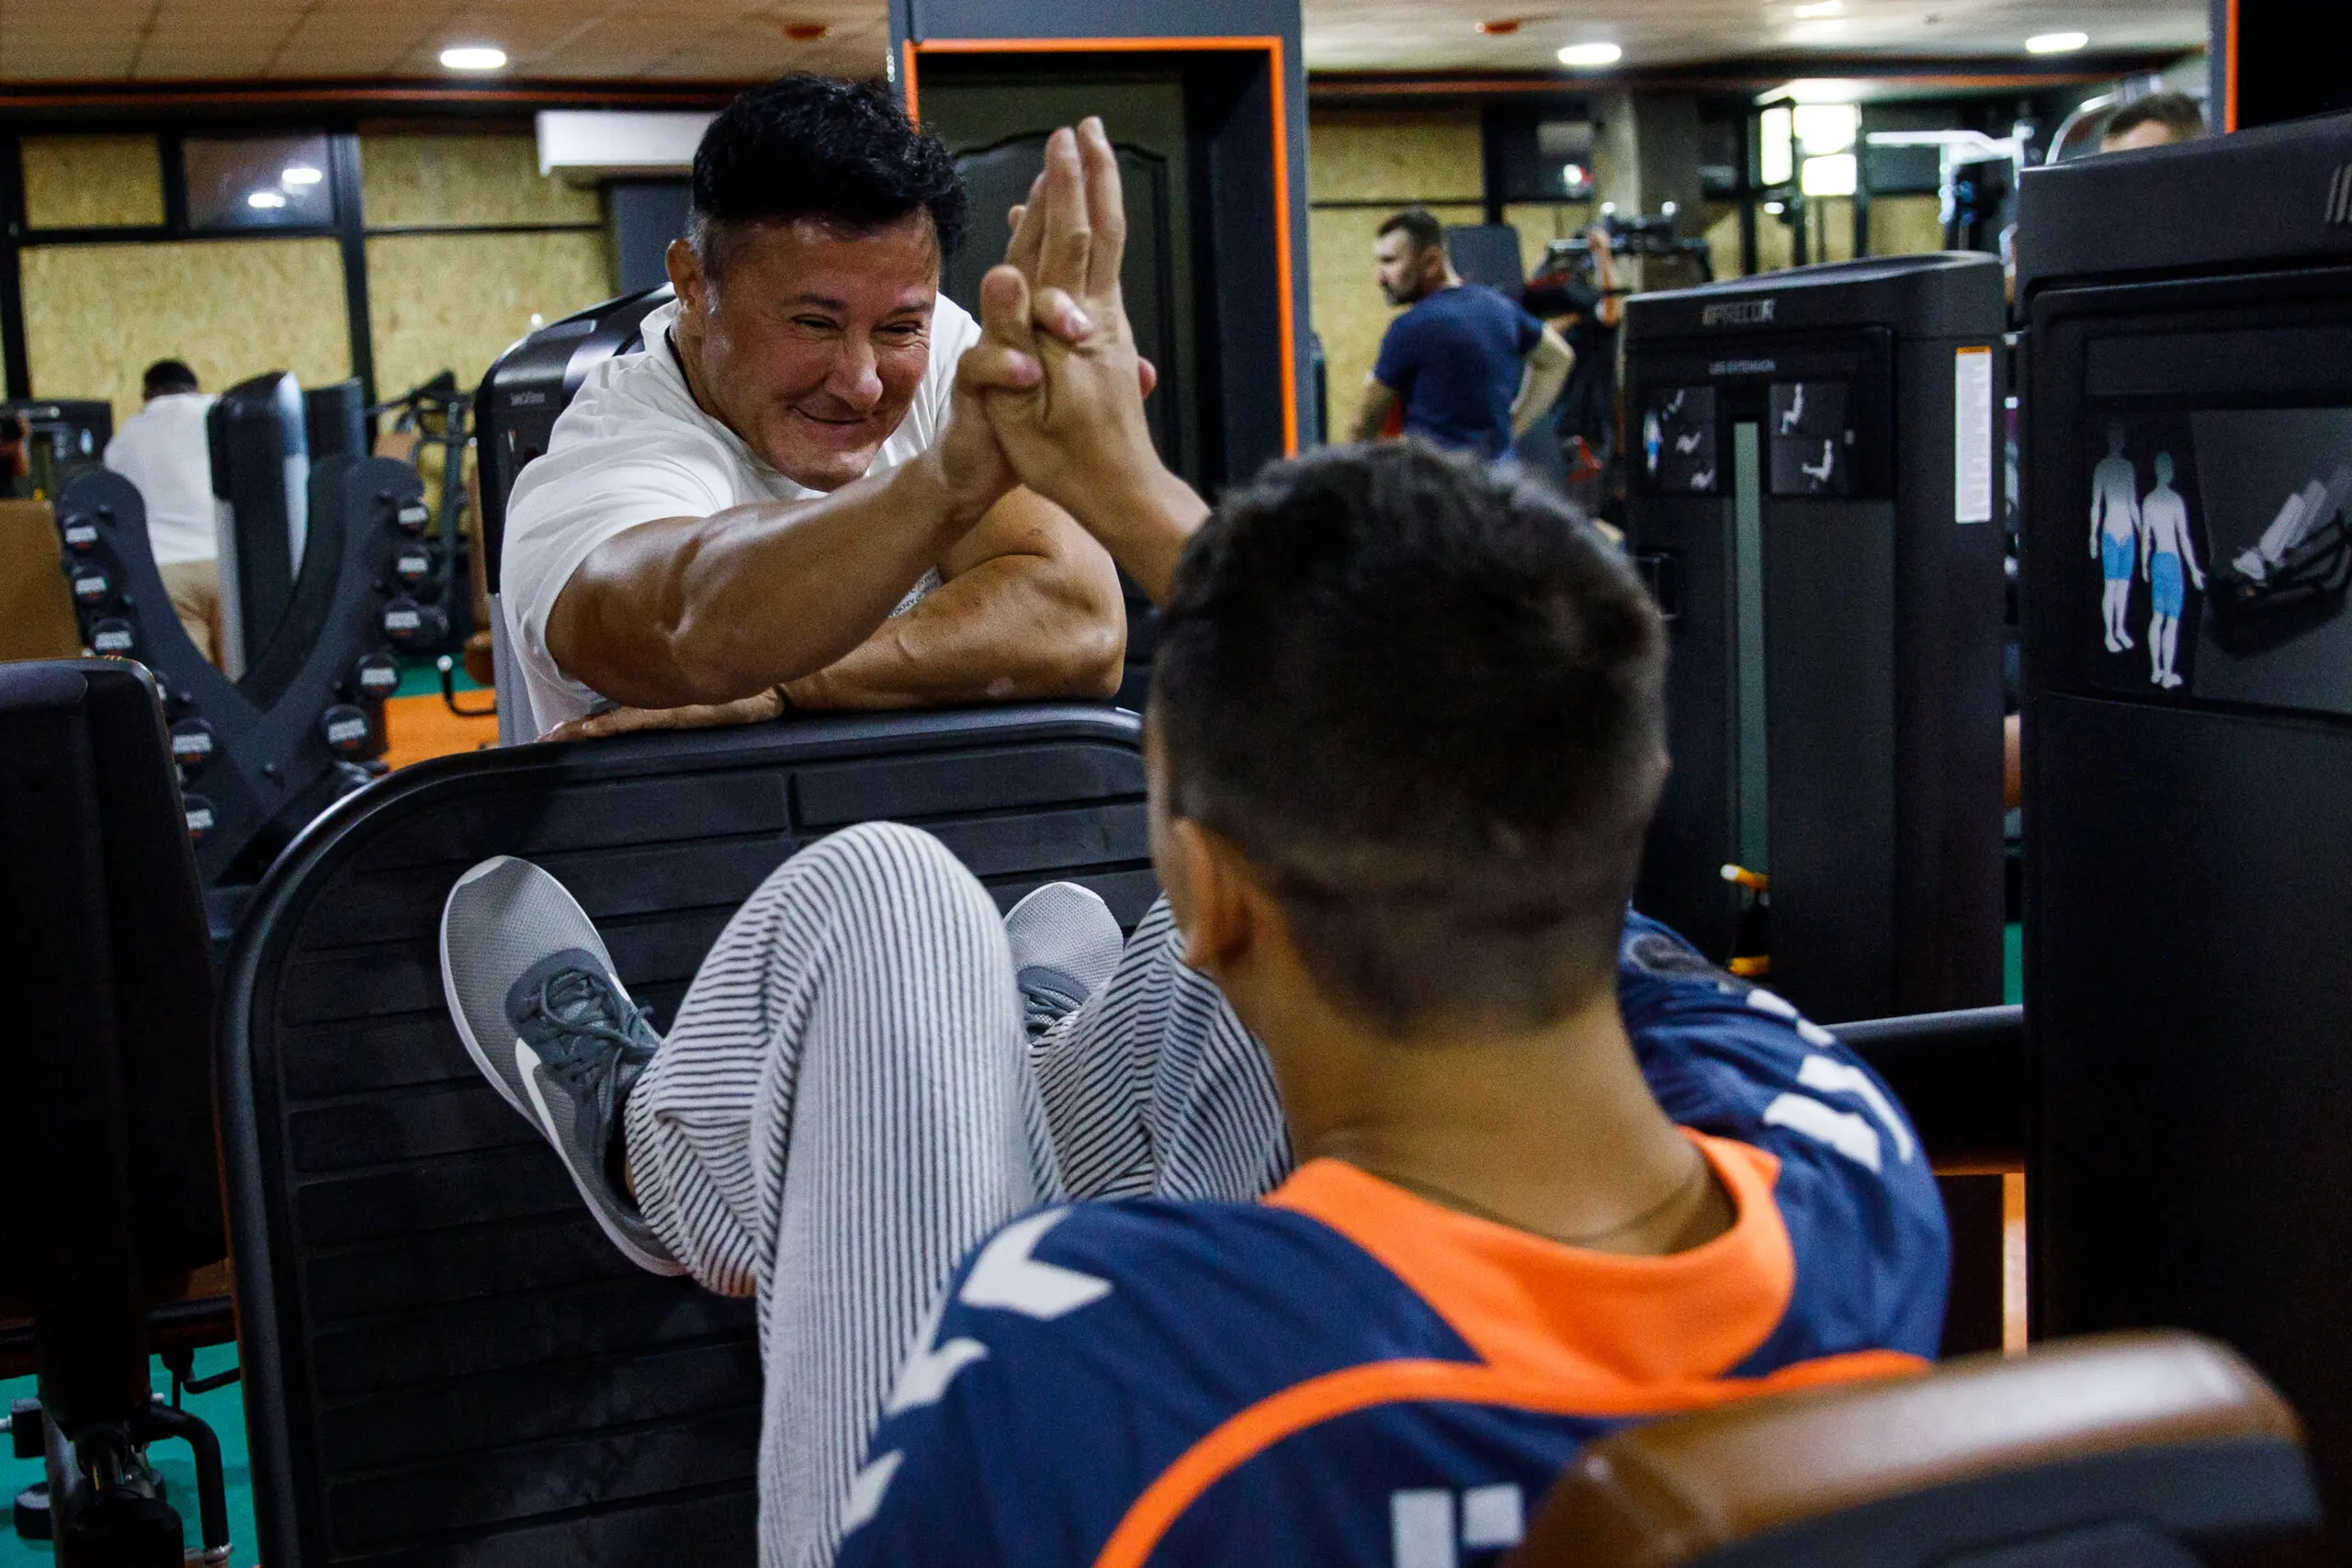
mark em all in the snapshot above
pixel 261 755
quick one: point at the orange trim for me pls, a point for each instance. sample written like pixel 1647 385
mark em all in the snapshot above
pixel 1535 1308
pixel 1327 84
pixel 907 76
pixel 1285 305
pixel 2230 71
pixel 1244 1436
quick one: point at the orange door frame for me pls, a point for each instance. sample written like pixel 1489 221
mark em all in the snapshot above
pixel 913 51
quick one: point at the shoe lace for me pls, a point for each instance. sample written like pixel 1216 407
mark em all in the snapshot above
pixel 584 1026
pixel 1042 1006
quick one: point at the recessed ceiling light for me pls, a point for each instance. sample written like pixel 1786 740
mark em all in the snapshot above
pixel 1501 26
pixel 474 57
pixel 266 199
pixel 1588 55
pixel 2055 43
pixel 300 175
pixel 1819 8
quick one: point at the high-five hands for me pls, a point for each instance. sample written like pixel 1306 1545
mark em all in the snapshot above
pixel 1057 372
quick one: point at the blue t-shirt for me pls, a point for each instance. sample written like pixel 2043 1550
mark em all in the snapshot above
pixel 1349 1376
pixel 1455 361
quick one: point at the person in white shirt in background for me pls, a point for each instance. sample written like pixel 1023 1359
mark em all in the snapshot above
pixel 788 500
pixel 163 450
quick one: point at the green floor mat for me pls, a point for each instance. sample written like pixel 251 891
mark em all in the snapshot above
pixel 223 1409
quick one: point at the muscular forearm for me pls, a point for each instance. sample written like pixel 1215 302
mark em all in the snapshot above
pixel 711 609
pixel 1011 629
pixel 1145 521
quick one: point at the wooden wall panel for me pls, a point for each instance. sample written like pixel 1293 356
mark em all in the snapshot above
pixel 411 179
pixel 97 316
pixel 1367 157
pixel 1540 224
pixel 92 182
pixel 1906 225
pixel 457 301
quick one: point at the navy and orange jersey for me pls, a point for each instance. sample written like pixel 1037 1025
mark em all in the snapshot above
pixel 1347 1374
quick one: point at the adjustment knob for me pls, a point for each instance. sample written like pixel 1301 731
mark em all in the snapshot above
pixel 193 743
pixel 198 811
pixel 345 729
pixel 113 636
pixel 376 676
pixel 410 624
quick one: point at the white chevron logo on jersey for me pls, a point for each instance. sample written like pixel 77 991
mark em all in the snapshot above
pixel 1005 1276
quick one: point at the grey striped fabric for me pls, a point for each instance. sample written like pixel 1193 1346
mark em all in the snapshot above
pixel 845 1107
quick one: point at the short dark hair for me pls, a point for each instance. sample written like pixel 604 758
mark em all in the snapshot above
pixel 167 376
pixel 2176 112
pixel 1424 699
pixel 1420 223
pixel 808 146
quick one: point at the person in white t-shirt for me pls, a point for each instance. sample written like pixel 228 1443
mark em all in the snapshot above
pixel 163 450
pixel 786 500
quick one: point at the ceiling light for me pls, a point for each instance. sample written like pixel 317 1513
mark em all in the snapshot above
pixel 1820 8
pixel 266 199
pixel 2055 43
pixel 1836 174
pixel 1588 55
pixel 1776 208
pixel 1574 175
pixel 1827 128
pixel 300 175
pixel 474 57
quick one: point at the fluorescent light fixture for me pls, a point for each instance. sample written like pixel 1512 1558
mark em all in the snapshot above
pixel 300 175
pixel 474 57
pixel 1836 174
pixel 1827 128
pixel 1585 56
pixel 1819 9
pixel 1777 165
pixel 2055 43
pixel 266 199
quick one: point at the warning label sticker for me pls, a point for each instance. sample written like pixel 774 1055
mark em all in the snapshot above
pixel 1971 435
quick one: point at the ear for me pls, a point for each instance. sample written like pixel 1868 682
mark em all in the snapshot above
pixel 1218 914
pixel 686 275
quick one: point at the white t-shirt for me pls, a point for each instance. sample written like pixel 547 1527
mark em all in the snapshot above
pixel 162 450
pixel 633 448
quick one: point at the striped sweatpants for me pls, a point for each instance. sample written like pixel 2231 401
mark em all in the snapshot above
pixel 845 1106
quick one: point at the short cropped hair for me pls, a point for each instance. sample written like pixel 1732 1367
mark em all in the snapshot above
pixel 167 375
pixel 1424 701
pixel 1421 223
pixel 808 146
pixel 2176 112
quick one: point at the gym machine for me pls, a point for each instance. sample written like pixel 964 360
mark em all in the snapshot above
pixel 259 757
pixel 1814 496
pixel 111 1109
pixel 259 433
pixel 2186 561
pixel 63 437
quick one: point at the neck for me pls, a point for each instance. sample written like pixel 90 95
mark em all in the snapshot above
pixel 1552 1132
pixel 686 338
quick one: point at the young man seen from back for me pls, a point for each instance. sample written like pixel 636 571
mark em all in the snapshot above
pixel 1557 1171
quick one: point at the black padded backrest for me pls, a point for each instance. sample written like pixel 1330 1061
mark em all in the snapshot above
pixel 110 998
pixel 445 1361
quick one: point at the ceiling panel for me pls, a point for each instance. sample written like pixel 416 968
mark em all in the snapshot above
pixel 745 40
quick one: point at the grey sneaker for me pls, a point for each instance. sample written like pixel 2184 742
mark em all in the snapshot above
pixel 1064 943
pixel 542 1014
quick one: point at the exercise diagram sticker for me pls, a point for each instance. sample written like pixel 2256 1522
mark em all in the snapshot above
pixel 1971 435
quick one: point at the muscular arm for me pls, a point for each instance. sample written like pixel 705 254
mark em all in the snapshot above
pixel 1029 607
pixel 1372 416
pixel 1547 372
pixel 695 610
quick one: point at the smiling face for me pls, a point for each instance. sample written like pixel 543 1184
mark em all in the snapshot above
pixel 810 337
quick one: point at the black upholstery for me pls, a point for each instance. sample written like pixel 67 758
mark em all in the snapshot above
pixel 445 1361
pixel 110 1113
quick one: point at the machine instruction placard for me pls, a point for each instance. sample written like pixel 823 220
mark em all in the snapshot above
pixel 1971 435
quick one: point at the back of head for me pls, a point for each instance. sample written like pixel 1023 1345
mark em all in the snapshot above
pixel 166 377
pixel 816 147
pixel 1419 224
pixel 1424 702
pixel 2175 115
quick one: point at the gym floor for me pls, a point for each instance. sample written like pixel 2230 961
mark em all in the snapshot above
pixel 223 1409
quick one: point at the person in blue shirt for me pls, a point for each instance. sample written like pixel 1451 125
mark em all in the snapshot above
pixel 1552 1172
pixel 1466 368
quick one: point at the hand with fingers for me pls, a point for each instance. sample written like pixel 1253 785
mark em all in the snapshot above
pixel 1058 371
